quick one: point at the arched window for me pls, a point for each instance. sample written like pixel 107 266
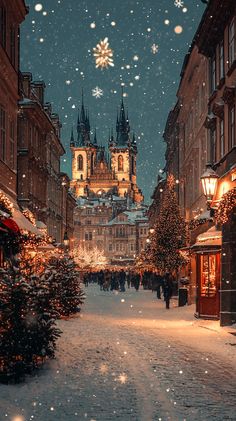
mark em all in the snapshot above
pixel 80 163
pixel 120 163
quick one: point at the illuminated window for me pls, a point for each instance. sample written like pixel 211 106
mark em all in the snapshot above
pixel 208 275
pixel 80 163
pixel 120 163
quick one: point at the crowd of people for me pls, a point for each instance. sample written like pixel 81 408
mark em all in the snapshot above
pixel 119 280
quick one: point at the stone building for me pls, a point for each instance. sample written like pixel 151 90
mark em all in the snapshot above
pixel 201 129
pixel 12 14
pixel 113 225
pixel 41 187
pixel 109 213
pixel 96 173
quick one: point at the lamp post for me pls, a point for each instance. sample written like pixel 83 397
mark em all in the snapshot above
pixel 209 183
pixel 66 241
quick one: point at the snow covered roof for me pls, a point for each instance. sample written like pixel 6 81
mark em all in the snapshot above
pixel 212 237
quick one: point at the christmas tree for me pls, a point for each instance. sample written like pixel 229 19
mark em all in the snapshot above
pixel 169 232
pixel 27 325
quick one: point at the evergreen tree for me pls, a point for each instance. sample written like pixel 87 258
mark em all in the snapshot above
pixel 27 325
pixel 169 232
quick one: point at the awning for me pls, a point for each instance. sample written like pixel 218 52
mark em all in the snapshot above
pixel 210 238
pixel 17 216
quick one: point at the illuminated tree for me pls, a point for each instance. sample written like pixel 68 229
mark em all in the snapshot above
pixel 90 259
pixel 169 232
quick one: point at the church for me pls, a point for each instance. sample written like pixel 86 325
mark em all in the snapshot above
pixel 98 174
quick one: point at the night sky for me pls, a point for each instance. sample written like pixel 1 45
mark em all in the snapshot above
pixel 57 46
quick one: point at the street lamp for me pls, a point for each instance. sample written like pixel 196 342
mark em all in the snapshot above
pixel 66 240
pixel 151 230
pixel 209 183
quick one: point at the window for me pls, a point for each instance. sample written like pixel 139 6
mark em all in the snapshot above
pixel 88 211
pixel 13 46
pixel 80 163
pixel 120 163
pixel 213 73
pixel 209 270
pixel 110 231
pixel 231 43
pixel 213 146
pixel 221 60
pixel 110 246
pixel 3 26
pixel 232 127
pixel 88 236
pixel 131 247
pixel 12 144
pixel 2 134
pixel 117 246
pixel 88 222
pixel 222 138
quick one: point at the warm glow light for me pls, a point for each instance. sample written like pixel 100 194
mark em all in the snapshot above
pixel 209 182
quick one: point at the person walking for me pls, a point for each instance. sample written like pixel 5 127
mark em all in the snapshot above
pixel 159 284
pixel 167 289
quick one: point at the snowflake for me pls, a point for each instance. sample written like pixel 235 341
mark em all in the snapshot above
pixel 154 48
pixel 103 54
pixel 179 3
pixel 97 92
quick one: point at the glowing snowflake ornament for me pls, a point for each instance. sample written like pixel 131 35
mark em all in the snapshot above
pixel 97 92
pixel 179 3
pixel 154 48
pixel 103 54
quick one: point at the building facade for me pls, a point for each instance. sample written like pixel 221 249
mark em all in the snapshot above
pixel 94 172
pixel 200 129
pixel 12 14
pixel 109 215
pixel 41 187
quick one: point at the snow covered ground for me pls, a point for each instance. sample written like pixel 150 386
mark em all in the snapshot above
pixel 128 358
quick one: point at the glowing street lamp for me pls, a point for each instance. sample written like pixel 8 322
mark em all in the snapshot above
pixel 209 183
pixel 66 240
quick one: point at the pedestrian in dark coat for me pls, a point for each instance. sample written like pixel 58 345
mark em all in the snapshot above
pixel 159 284
pixel 136 281
pixel 122 280
pixel 167 288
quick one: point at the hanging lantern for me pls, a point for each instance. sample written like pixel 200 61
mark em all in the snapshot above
pixel 209 182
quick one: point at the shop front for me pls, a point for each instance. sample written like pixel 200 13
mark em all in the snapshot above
pixel 207 251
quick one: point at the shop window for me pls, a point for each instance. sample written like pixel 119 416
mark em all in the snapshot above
pixel 208 275
pixel 232 127
pixel 232 43
pixel 120 163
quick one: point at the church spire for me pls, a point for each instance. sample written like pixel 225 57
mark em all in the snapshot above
pixel 83 125
pixel 122 126
pixel 72 139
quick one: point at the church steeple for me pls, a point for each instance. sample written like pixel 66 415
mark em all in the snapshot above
pixel 122 126
pixel 72 139
pixel 83 126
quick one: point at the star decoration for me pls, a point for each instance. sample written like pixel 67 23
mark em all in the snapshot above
pixel 103 54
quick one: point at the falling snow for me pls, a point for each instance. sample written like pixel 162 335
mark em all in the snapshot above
pixel 97 92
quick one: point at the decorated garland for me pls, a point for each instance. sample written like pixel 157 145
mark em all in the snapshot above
pixel 5 205
pixel 30 216
pixel 227 203
pixel 195 223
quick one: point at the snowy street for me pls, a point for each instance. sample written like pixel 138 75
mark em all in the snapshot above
pixel 128 358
